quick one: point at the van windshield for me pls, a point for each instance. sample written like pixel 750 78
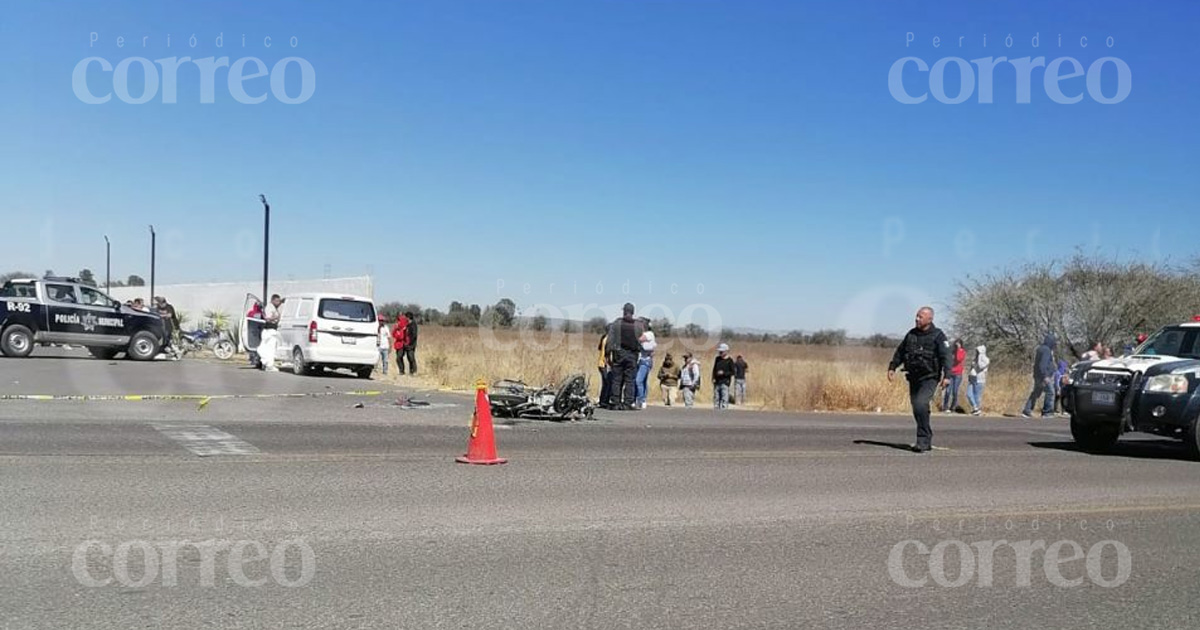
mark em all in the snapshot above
pixel 347 310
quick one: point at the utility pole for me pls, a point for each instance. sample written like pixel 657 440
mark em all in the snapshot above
pixel 107 265
pixel 266 247
pixel 153 244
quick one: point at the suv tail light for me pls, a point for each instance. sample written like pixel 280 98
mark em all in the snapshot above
pixel 312 331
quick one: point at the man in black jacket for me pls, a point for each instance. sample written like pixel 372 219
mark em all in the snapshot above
pixel 926 356
pixel 722 375
pixel 623 349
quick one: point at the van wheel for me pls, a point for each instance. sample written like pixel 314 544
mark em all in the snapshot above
pixel 143 347
pixel 17 341
pixel 299 367
pixel 364 372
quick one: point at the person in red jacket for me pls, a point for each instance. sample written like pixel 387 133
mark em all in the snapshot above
pixel 400 335
pixel 950 395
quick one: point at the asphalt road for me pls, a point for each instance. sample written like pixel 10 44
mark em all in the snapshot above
pixel 56 371
pixel 653 519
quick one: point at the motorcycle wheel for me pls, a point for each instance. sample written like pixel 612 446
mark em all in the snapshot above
pixel 223 350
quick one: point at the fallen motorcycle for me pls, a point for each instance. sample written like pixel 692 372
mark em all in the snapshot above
pixel 567 401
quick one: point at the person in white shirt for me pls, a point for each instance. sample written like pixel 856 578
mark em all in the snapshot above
pixel 384 343
pixel 689 379
pixel 270 336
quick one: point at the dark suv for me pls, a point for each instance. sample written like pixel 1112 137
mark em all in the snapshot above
pixel 66 311
pixel 1154 390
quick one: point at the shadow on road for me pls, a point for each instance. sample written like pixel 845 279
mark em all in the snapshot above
pixel 895 445
pixel 1134 449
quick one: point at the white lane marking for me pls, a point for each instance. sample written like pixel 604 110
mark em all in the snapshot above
pixel 203 440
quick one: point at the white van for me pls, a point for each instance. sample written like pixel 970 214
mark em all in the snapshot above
pixel 324 330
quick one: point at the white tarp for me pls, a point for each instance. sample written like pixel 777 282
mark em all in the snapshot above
pixel 195 299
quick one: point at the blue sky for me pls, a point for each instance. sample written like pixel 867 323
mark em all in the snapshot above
pixel 748 153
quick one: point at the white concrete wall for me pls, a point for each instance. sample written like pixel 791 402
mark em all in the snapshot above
pixel 194 299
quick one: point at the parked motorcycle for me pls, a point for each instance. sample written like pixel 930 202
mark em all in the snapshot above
pixel 219 342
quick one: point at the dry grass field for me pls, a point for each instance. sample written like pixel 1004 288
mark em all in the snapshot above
pixel 782 377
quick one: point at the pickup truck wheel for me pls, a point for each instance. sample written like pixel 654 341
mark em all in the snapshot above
pixel 17 341
pixel 1094 438
pixel 143 347
pixel 106 354
pixel 1192 441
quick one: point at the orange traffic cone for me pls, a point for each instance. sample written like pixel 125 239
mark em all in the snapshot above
pixel 481 448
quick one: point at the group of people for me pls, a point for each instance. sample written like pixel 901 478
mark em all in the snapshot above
pixel 626 359
pixel 976 379
pixel 1049 376
pixel 402 338
pixel 170 317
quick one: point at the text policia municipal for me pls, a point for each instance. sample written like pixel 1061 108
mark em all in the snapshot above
pixel 1107 79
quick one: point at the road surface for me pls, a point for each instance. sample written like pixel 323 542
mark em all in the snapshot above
pixel 339 511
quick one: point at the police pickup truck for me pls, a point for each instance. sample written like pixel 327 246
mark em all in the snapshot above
pixel 64 310
pixel 1154 390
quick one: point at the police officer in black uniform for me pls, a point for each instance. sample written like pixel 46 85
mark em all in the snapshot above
pixel 927 359
pixel 623 348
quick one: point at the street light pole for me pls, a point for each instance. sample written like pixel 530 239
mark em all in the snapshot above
pixel 153 239
pixel 266 246
pixel 107 265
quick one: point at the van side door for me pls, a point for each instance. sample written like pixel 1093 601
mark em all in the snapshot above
pixel 298 324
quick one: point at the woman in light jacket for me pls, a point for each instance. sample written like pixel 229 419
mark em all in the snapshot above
pixel 644 364
pixel 977 379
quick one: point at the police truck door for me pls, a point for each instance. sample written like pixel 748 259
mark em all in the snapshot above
pixel 63 321
pixel 109 326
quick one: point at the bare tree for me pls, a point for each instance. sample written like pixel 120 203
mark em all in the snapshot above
pixel 1083 300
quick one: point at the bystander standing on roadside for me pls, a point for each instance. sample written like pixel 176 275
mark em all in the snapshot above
pixel 689 379
pixel 739 379
pixel 950 395
pixel 605 371
pixel 1060 379
pixel 644 365
pixel 400 340
pixel 926 357
pixel 384 343
pixel 410 348
pixel 1043 378
pixel 977 380
pixel 668 379
pixel 722 376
